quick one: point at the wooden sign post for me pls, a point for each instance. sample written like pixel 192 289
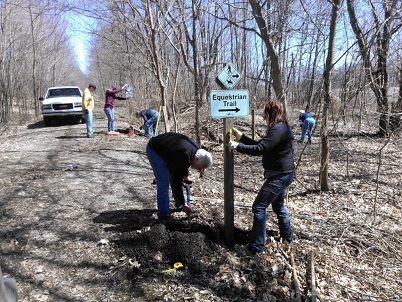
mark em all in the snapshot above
pixel 228 186
pixel 227 104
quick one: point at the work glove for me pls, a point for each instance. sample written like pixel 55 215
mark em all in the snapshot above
pixel 86 111
pixel 237 134
pixel 232 145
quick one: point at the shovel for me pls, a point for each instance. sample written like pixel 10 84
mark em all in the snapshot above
pixel 187 184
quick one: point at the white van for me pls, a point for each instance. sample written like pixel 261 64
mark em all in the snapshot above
pixel 61 103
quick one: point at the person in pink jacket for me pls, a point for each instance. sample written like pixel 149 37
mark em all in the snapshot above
pixel 110 96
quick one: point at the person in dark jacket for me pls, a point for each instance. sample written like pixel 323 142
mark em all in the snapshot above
pixel 150 117
pixel 307 123
pixel 171 155
pixel 110 96
pixel 277 151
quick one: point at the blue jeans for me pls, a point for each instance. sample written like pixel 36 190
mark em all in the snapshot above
pixel 151 122
pixel 88 118
pixel 161 172
pixel 110 118
pixel 272 192
pixel 308 125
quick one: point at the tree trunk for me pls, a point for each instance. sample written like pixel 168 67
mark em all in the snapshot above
pixel 324 182
pixel 157 61
pixel 196 72
pixel 33 40
pixel 399 104
pixel 396 109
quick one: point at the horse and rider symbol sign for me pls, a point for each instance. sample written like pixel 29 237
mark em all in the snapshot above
pixel 229 76
pixel 229 103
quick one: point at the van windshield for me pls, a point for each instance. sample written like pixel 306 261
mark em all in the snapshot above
pixel 63 92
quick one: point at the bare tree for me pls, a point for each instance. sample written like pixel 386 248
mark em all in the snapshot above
pixel 35 16
pixel 196 41
pixel 34 54
pixel 310 51
pixel 374 46
pixel 396 108
pixel 327 98
pixel 276 72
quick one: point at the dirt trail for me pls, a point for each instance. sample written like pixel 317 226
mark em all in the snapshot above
pixel 49 242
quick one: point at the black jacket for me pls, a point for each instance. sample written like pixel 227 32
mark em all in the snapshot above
pixel 178 150
pixel 276 148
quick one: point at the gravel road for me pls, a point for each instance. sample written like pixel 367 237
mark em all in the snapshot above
pixel 49 241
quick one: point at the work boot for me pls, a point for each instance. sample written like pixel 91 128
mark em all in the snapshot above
pixel 253 251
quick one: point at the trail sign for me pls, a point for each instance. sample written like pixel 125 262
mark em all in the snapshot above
pixel 229 76
pixel 229 103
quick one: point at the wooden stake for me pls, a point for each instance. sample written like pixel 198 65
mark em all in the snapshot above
pixel 313 289
pixel 295 280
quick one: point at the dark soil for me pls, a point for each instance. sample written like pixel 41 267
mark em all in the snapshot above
pixel 91 233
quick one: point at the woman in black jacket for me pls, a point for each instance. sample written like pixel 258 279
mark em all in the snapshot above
pixel 276 149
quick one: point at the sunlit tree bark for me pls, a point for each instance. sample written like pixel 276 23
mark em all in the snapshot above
pixel 327 98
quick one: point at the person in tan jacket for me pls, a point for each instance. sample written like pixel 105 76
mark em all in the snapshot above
pixel 88 107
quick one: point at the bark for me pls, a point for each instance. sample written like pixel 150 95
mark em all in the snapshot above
pixel 325 148
pixel 400 89
pixel 396 109
pixel 34 59
pixel 399 104
pixel 196 71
